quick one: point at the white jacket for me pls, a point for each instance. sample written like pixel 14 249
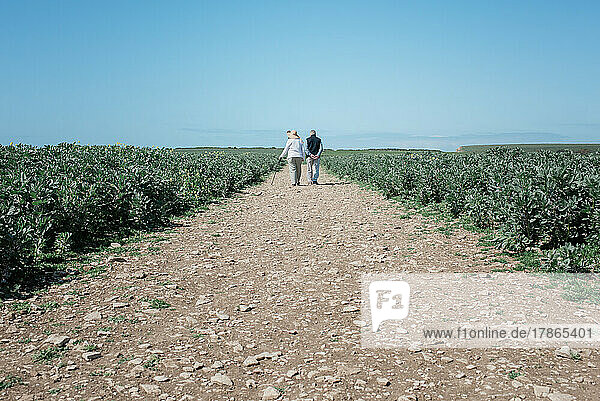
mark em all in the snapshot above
pixel 294 148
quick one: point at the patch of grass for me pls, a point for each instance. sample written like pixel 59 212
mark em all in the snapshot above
pixel 23 307
pixel 10 381
pixel 529 260
pixel 486 241
pixel 100 372
pixel 158 303
pixel 124 359
pixel 94 271
pixel 48 306
pixel 513 374
pixel 49 354
pixel 152 362
pixel 91 347
pixel 577 289
pixel 123 319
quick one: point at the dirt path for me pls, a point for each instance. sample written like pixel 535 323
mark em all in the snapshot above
pixel 264 291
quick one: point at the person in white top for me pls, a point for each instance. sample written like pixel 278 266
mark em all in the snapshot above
pixel 294 148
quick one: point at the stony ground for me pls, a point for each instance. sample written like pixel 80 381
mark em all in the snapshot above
pixel 257 298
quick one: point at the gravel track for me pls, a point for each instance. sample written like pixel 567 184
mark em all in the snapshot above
pixel 258 298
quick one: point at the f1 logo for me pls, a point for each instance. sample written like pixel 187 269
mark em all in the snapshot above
pixel 389 301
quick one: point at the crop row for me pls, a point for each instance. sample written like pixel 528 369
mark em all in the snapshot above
pixel 543 201
pixel 67 197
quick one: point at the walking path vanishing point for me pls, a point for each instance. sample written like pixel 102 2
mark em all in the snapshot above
pixel 264 290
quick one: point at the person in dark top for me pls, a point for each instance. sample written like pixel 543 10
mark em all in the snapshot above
pixel 314 148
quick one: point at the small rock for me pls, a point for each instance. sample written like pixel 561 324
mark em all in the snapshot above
pixel 560 397
pixel 57 340
pixel 139 275
pixel 415 348
pixel 541 391
pixel 90 356
pixel 383 381
pixel 250 383
pixel 161 379
pixel 291 373
pixel 222 379
pixel 115 245
pixel 271 393
pixel 117 305
pixel 460 375
pixel 221 315
pixel 136 371
pixel 93 316
pixel 250 361
pixel 151 388
pixel 563 352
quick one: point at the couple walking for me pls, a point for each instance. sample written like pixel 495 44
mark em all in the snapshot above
pixel 297 153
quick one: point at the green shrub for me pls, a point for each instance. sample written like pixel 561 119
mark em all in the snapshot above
pixel 544 200
pixel 68 197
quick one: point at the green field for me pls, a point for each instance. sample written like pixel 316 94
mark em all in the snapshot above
pixel 534 147
pixel 542 202
pixel 201 149
pixel 59 200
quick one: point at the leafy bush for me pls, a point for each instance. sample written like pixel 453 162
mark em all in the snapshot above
pixel 543 200
pixel 66 197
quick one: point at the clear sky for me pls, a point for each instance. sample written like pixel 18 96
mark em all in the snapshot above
pixel 363 74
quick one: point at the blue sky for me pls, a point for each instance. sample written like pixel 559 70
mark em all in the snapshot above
pixel 238 73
